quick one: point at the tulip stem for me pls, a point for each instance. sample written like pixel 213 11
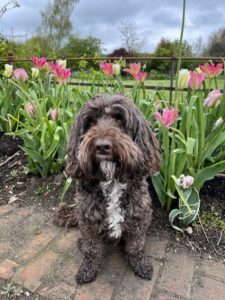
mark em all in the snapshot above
pixel 180 51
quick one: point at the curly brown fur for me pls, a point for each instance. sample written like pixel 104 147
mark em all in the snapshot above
pixel 111 152
pixel 65 216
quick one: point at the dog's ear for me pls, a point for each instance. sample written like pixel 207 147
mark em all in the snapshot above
pixel 72 168
pixel 147 142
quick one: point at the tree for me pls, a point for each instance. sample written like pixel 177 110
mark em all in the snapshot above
pixel 9 5
pixel 198 47
pixel 81 46
pixel 56 25
pixel 216 43
pixel 132 40
pixel 168 48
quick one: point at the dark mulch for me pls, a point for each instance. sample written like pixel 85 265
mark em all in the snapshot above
pixel 45 192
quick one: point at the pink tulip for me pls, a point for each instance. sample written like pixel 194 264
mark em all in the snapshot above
pixel 213 99
pixel 39 63
pixel 107 68
pixel 54 114
pixel 63 75
pixel 196 79
pixel 185 181
pixel 20 74
pixel 168 117
pixel 212 70
pixel 30 109
pixel 140 76
pixel 135 71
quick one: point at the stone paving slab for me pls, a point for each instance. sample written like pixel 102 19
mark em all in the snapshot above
pixel 43 260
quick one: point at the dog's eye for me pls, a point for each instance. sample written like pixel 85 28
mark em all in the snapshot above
pixel 117 115
pixel 88 124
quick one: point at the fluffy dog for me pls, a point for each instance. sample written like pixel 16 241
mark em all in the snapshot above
pixel 111 152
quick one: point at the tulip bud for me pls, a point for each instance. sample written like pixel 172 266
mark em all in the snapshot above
pixel 35 73
pixel 183 78
pixel 30 109
pixel 8 71
pixel 185 181
pixel 54 114
pixel 116 69
pixel 218 123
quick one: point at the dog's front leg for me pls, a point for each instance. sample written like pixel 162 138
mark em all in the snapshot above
pixel 135 236
pixel 91 247
pixel 135 254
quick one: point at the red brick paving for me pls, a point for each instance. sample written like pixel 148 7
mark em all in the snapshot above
pixel 44 259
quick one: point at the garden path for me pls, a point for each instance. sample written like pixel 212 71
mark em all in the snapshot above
pixel 40 260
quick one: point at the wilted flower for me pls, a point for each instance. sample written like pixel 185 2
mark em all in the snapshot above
pixel 196 80
pixel 183 78
pixel 54 114
pixel 107 68
pixel 168 117
pixel 20 74
pixel 30 109
pixel 185 181
pixel 40 63
pixel 213 99
pixel 35 73
pixel 8 71
pixel 116 69
pixel 62 63
pixel 212 70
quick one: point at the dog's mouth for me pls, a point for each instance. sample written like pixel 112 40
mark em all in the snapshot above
pixel 108 169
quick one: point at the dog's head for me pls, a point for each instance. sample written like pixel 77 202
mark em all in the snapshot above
pixel 111 129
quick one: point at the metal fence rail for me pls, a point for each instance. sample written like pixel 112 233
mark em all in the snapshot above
pixel 172 59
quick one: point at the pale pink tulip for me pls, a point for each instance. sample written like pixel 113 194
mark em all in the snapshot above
pixel 20 74
pixel 213 99
pixel 30 109
pixel 168 117
pixel 185 181
pixel 107 68
pixel 39 63
pixel 212 70
pixel 196 79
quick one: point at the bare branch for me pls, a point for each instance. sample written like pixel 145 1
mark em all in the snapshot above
pixel 8 6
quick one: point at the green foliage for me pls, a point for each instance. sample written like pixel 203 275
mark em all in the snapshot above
pixel 45 138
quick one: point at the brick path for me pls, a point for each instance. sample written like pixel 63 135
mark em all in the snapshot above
pixel 43 259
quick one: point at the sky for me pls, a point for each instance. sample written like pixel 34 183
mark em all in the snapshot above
pixel 153 19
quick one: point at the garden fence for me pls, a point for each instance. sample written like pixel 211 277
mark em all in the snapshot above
pixel 172 59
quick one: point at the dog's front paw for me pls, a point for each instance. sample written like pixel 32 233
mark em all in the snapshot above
pixel 86 273
pixel 144 270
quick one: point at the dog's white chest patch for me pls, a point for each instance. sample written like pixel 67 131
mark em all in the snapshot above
pixel 112 191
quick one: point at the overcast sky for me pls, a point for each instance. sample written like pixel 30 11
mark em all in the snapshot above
pixel 154 19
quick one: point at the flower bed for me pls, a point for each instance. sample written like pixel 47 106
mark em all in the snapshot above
pixel 39 107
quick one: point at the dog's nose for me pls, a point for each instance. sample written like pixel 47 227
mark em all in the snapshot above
pixel 103 146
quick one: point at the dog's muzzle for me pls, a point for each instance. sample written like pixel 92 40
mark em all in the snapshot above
pixel 103 149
